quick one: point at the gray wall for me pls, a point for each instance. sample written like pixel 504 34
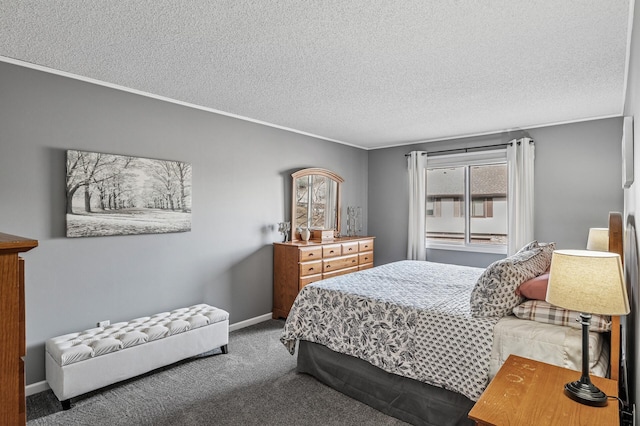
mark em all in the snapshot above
pixel 241 184
pixel 577 182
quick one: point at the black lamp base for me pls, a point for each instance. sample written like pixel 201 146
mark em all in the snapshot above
pixel 585 393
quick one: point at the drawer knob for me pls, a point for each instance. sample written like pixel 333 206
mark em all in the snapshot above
pixel 353 261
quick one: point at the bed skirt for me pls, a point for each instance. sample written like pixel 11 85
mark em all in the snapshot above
pixel 404 398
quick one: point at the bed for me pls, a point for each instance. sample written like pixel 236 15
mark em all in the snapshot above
pixel 420 341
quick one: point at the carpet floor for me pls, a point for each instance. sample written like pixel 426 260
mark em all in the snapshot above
pixel 254 384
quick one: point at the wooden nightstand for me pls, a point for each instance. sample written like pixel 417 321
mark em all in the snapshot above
pixel 528 392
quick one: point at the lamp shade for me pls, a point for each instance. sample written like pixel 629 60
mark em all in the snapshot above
pixel 598 239
pixel 587 281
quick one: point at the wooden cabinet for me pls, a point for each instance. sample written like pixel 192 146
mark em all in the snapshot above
pixel 528 392
pixel 298 263
pixel 12 329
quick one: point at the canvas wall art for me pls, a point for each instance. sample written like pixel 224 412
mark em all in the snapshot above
pixel 111 194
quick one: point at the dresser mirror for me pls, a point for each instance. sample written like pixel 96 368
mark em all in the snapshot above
pixel 315 201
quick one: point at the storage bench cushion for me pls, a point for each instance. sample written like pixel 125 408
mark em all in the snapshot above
pixel 76 347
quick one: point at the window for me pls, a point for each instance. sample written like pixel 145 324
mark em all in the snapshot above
pixel 467 201
pixel 479 207
pixel 434 207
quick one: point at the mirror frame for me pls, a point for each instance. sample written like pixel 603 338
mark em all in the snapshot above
pixel 309 172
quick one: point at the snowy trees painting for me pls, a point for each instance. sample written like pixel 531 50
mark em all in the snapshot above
pixel 119 195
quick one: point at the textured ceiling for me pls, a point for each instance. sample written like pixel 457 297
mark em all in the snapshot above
pixel 367 73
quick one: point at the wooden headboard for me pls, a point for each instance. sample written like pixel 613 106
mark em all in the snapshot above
pixel 615 246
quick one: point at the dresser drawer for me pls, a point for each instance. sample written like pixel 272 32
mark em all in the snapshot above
pixel 310 253
pixel 331 250
pixel 297 264
pixel 308 280
pixel 310 268
pixel 339 272
pixel 366 245
pixel 365 266
pixel 329 265
pixel 366 257
pixel 349 248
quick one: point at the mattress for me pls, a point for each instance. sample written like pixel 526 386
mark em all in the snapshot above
pixel 410 318
pixel 553 344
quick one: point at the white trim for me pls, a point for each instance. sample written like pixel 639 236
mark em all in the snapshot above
pixel 474 248
pixel 495 132
pixel 42 386
pixel 472 158
pixel 35 388
pixel 165 99
pixel 250 321
pixel 627 58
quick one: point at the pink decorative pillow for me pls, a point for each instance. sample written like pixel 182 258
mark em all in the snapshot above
pixel 535 288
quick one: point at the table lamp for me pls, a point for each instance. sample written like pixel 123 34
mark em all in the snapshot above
pixel 598 239
pixel 590 282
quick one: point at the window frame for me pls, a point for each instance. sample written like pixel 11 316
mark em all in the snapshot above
pixel 467 159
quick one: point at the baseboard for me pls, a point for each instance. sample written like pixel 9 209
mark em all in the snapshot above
pixel 250 321
pixel 42 386
pixel 35 388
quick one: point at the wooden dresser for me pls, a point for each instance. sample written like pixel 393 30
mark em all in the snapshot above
pixel 12 329
pixel 298 263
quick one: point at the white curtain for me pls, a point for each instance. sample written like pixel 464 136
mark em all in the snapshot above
pixel 417 204
pixel 520 159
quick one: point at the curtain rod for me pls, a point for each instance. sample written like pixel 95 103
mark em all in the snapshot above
pixel 500 145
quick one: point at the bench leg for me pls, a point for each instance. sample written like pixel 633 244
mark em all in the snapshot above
pixel 225 349
pixel 66 404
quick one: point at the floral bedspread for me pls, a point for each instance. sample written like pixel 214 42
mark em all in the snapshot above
pixel 410 318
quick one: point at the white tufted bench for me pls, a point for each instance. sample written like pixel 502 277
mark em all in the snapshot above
pixel 78 363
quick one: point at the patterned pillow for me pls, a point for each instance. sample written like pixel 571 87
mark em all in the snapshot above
pixel 494 294
pixel 541 311
pixel 547 249
pixel 527 247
